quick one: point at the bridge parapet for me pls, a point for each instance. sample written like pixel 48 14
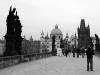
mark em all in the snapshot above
pixel 13 60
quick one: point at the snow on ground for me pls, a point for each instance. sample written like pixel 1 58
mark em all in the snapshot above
pixel 58 65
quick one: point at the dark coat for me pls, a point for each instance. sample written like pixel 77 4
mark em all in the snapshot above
pixel 89 53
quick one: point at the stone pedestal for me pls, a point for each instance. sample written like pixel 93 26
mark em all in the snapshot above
pixel 97 47
pixel 13 36
pixel 10 46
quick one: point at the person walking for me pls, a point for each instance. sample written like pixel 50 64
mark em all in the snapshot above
pixel 66 52
pixel 73 53
pixel 78 52
pixel 89 53
pixel 83 52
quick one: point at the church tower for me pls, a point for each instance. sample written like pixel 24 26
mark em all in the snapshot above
pixel 31 38
pixel 83 35
pixel 42 42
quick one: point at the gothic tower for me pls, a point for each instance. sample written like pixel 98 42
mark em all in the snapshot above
pixel 83 35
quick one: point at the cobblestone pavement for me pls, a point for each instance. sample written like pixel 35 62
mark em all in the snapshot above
pixel 58 65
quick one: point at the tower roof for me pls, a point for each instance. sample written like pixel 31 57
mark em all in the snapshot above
pixel 47 37
pixel 42 34
pixel 82 24
pixel 56 30
pixel 67 35
pixel 56 26
pixel 31 38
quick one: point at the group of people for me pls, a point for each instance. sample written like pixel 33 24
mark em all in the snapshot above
pixel 79 52
pixel 89 52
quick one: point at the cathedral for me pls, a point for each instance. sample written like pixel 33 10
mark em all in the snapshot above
pixel 46 41
pixel 83 34
pixel 58 35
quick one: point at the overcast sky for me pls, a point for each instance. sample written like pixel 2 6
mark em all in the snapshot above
pixel 38 15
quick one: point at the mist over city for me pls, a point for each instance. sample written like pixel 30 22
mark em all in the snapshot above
pixel 38 15
pixel 49 37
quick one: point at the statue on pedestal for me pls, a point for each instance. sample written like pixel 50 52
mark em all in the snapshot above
pixel 97 45
pixel 13 36
pixel 97 39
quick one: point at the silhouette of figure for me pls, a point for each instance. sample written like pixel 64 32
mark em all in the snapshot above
pixel 13 36
pixel 54 51
pixel 97 39
pixel 10 21
pixel 89 53
pixel 78 52
pixel 66 52
pixel 73 51
pixel 83 52
pixel 97 45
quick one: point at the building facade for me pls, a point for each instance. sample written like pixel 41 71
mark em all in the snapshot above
pixel 83 35
pixel 2 47
pixel 42 43
pixel 58 35
pixel 46 41
pixel 30 46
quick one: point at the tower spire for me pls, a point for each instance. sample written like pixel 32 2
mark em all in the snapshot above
pixel 42 34
pixel 31 38
pixel 82 24
pixel 56 26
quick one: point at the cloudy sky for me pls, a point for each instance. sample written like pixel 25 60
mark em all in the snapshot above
pixel 38 15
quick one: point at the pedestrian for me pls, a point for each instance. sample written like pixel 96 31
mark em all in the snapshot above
pixel 73 52
pixel 63 52
pixel 83 52
pixel 89 53
pixel 66 52
pixel 78 52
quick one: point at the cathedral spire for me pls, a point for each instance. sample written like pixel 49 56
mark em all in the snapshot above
pixel 83 35
pixel 67 35
pixel 88 26
pixel 31 38
pixel 82 24
pixel 47 37
pixel 56 26
pixel 42 34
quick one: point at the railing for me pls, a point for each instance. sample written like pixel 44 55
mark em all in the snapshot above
pixel 12 60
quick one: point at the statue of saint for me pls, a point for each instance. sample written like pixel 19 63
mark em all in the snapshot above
pixel 13 35
pixel 10 21
pixel 97 39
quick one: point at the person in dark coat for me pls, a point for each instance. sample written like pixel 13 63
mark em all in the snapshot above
pixel 89 53
pixel 73 52
pixel 83 52
pixel 66 52
pixel 78 52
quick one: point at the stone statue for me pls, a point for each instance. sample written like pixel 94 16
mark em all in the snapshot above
pixel 13 36
pixel 97 39
pixel 97 45
pixel 10 21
